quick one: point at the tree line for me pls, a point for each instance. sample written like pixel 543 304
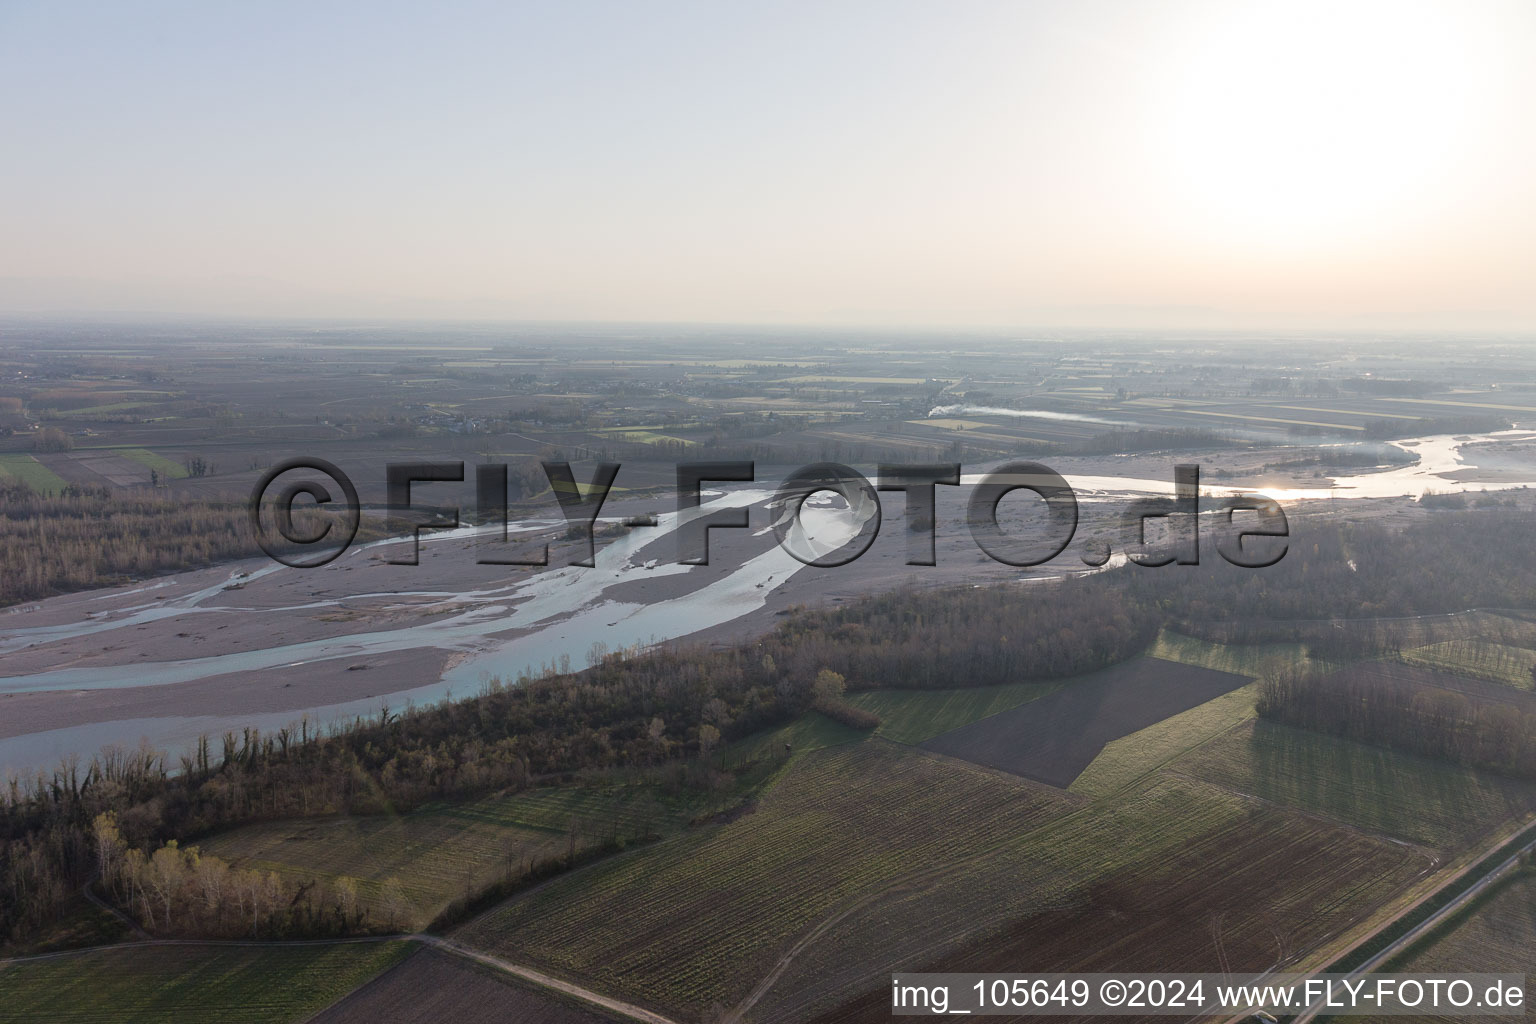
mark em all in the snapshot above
pixel 1366 705
pixel 84 537
pixel 629 711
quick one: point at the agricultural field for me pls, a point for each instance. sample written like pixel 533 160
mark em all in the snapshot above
pixel 440 853
pixel 638 435
pixel 746 892
pixel 1053 739
pixel 1190 798
pixel 811 731
pixel 1387 792
pixel 153 984
pixel 1126 759
pixel 103 467
pixel 430 987
pixel 940 423
pixel 1284 420
pixel 692 922
pixel 912 716
pixel 830 379
pixel 168 469
pixel 1496 934
pixel 1175 875
pixel 30 472
pixel 1256 660
pixel 109 409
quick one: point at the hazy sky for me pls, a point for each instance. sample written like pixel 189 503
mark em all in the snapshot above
pixel 877 162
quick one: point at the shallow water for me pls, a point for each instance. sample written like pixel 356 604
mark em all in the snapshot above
pixel 560 613
pixel 1437 454
pixel 563 611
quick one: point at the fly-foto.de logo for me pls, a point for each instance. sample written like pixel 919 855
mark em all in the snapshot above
pixel 1257 540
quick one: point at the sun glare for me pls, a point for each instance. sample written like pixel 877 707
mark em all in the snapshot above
pixel 1299 122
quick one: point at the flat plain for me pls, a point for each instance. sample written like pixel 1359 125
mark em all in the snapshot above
pixel 250 984
pixel 691 922
pixel 441 852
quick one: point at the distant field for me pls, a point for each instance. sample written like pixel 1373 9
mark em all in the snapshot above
pixel 31 472
pixel 817 378
pixel 439 853
pixel 98 467
pixel 167 468
pixel 1268 419
pixel 1484 659
pixel 102 410
pixel 1124 760
pixel 912 716
pixel 155 984
pixel 944 424
pixel 696 920
pixel 431 987
pixel 646 437
pixel 1054 738
pixel 1380 790
pixel 876 437
pixel 1462 405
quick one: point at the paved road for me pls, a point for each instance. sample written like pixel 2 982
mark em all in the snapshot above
pixel 1417 932
pixel 539 978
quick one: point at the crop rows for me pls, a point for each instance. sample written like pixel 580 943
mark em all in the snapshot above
pixel 153 984
pixel 695 920
pixel 441 852
pixel 1177 876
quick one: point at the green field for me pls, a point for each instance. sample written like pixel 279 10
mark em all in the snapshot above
pixel 31 472
pixel 1257 660
pixel 811 731
pixel 642 436
pixel 102 410
pixel 912 716
pixel 442 852
pixel 818 378
pixel 863 850
pixel 1382 791
pixel 693 920
pixel 167 468
pixel 1124 760
pixel 1483 659
pixel 154 984
pixel 1124 884
pixel 866 856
